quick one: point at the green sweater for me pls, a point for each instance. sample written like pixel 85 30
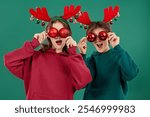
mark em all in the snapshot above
pixel 110 71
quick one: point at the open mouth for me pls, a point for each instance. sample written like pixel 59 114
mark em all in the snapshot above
pixel 99 45
pixel 59 42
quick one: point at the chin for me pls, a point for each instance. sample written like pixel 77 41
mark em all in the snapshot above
pixel 59 47
pixel 100 51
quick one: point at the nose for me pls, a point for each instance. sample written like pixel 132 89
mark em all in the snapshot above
pixel 57 37
pixel 97 39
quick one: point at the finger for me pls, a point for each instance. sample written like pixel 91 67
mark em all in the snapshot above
pixel 68 41
pixel 67 45
pixel 36 36
pixel 81 41
pixel 113 39
pixel 46 34
pixel 42 36
pixel 74 43
pixel 69 37
pixel 111 34
pixel 110 38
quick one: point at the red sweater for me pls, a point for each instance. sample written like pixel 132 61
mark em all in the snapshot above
pixel 49 75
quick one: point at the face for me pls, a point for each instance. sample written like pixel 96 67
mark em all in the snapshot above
pixel 100 45
pixel 58 42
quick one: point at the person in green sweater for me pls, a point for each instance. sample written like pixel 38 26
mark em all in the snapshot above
pixel 111 66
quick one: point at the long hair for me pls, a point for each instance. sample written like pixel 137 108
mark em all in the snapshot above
pixel 49 25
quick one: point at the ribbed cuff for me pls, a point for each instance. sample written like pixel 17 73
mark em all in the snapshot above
pixel 72 50
pixel 35 43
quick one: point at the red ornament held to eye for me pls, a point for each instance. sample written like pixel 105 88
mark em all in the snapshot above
pixel 103 35
pixel 53 32
pixel 64 32
pixel 91 37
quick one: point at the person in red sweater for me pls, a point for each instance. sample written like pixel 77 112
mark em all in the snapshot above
pixel 55 71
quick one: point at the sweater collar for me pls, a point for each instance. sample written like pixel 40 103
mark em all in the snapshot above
pixel 98 53
pixel 53 51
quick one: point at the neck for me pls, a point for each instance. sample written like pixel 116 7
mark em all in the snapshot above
pixel 58 50
pixel 107 49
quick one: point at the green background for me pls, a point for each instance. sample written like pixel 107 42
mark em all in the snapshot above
pixel 132 27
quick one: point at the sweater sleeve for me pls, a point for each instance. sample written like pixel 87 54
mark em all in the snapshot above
pixel 15 60
pixel 90 64
pixel 129 69
pixel 78 69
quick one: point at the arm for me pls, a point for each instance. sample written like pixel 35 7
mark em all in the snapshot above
pixel 15 60
pixel 90 64
pixel 78 70
pixel 82 46
pixel 129 69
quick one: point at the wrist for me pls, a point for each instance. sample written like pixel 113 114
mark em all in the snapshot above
pixel 35 43
pixel 113 46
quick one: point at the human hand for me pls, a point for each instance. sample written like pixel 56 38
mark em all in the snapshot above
pixel 113 39
pixel 82 45
pixel 41 36
pixel 70 42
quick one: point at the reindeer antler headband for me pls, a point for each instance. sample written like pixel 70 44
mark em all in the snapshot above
pixel 73 14
pixel 42 14
pixel 109 15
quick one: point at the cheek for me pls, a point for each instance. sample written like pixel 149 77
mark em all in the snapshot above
pixel 53 41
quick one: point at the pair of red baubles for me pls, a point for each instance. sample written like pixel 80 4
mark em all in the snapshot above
pixel 64 32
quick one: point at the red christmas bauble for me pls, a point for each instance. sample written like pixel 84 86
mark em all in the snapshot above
pixel 64 32
pixel 85 27
pixel 53 32
pixel 103 35
pixel 71 20
pixel 43 23
pixel 91 37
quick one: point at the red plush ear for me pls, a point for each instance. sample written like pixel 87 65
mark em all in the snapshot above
pixel 70 11
pixel 109 13
pixel 40 13
pixel 84 18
